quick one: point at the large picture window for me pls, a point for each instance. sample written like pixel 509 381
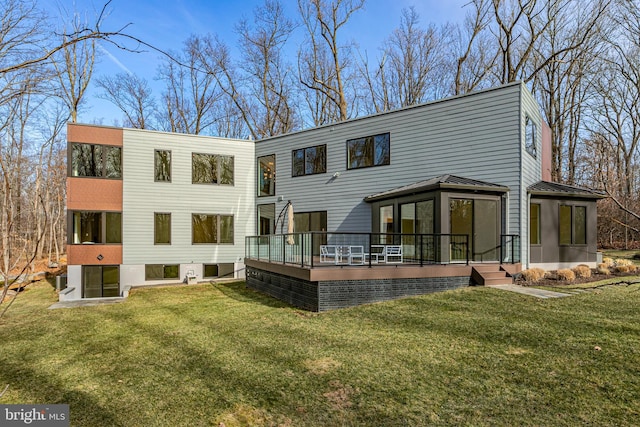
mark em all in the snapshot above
pixel 207 228
pixel 368 151
pixel 309 161
pixel 573 225
pixel 96 227
pixel 94 160
pixel 211 169
pixel 266 175
pixel 162 166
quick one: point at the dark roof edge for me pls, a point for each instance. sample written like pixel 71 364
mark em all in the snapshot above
pixel 545 188
pixel 438 186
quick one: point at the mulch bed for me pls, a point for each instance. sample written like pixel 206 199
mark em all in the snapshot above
pixel 551 279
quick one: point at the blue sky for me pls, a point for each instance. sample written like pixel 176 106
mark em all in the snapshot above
pixel 166 24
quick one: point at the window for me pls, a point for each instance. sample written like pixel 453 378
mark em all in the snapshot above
pixel 386 224
pixel 573 225
pixel 211 169
pixel 368 151
pixel 207 228
pixel 309 161
pixel 218 270
pixel 266 219
pixel 98 161
pixel 530 136
pixel 534 224
pixel 266 175
pixel 96 227
pixel 162 228
pixel 161 271
pixel 162 166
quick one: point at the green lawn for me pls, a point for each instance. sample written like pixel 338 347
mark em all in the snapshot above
pixel 205 354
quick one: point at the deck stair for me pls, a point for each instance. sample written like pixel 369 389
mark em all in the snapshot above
pixel 490 274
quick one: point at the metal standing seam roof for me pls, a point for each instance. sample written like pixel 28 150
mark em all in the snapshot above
pixel 546 188
pixel 439 182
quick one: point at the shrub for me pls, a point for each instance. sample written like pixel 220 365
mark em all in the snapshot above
pixel 566 274
pixel 533 274
pixel 603 269
pixel 582 271
pixel 625 268
pixel 621 262
pixel 608 261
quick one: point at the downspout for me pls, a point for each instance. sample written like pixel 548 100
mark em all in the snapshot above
pixel 528 230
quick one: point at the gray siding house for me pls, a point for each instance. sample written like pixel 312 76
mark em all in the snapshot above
pixel 475 167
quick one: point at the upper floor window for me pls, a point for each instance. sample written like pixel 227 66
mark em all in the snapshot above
pixel 211 169
pixel 368 151
pixel 162 166
pixel 266 175
pixel 94 160
pixel 530 136
pixel 96 227
pixel 309 161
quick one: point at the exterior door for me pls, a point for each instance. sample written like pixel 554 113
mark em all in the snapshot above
pixel 479 220
pixel 99 281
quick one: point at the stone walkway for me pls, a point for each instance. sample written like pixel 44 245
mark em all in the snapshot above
pixel 538 293
pixel 86 302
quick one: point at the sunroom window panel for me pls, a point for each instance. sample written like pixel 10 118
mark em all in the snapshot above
pixel 565 225
pixel 580 228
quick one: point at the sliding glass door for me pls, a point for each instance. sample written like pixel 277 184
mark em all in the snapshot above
pixel 479 219
pixel 99 281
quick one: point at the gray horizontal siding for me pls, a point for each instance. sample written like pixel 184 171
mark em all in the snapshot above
pixel 142 197
pixel 476 136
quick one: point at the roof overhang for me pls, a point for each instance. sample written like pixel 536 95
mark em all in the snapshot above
pixel 443 182
pixel 557 190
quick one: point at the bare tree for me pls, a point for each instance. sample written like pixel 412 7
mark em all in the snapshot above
pixel 473 46
pixel 323 62
pixel 269 85
pixel 191 94
pixel 409 71
pixel 133 96
pixel 73 66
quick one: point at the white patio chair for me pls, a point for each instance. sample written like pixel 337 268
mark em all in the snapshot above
pixel 328 254
pixel 356 255
pixel 393 254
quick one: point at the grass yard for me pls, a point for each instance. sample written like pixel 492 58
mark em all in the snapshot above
pixel 211 354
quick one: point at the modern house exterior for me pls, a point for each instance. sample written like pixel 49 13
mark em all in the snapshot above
pixel 476 166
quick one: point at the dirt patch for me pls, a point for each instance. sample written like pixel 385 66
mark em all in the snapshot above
pixel 340 397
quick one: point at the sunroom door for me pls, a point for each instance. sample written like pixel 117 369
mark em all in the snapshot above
pixel 478 219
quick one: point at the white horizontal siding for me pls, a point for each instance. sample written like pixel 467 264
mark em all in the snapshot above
pixel 142 197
